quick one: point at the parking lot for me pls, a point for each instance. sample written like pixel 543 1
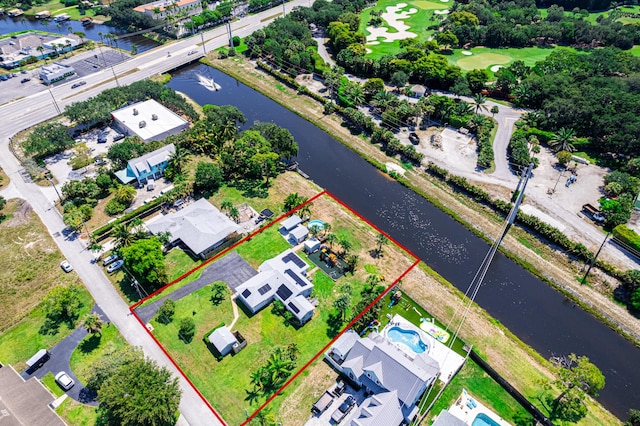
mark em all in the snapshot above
pixel 95 60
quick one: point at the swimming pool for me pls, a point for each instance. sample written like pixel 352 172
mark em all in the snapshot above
pixel 317 223
pixel 407 337
pixel 483 420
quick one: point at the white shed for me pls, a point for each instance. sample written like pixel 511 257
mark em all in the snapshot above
pixel 223 340
pixel 311 245
pixel 291 223
pixel 298 234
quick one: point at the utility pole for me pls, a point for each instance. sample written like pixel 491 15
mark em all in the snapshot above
pixel 230 33
pixel 284 12
pixel 55 104
pixel 48 177
pixel 593 261
pixel 204 48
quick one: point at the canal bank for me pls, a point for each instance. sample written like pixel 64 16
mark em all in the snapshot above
pixel 529 308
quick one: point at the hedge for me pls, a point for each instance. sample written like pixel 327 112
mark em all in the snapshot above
pixel 628 236
pixel 142 211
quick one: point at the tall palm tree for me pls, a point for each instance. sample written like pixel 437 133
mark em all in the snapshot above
pixel 381 240
pixel 563 140
pixel 330 239
pixel 479 102
pixel 346 246
pixel 81 36
pixel 122 235
pixel 125 194
pixel 532 118
pixel 179 158
pixel 93 324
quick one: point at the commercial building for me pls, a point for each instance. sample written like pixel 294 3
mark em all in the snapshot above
pixel 148 120
pixel 55 72
pixel 160 9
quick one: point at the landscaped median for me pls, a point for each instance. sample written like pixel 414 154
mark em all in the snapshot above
pixel 264 274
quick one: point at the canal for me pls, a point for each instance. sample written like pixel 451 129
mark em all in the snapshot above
pixel 537 314
pixel 92 32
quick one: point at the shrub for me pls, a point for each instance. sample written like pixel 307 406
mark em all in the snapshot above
pixel 113 207
pixel 627 236
pixel 166 311
pixel 635 299
pixel 187 329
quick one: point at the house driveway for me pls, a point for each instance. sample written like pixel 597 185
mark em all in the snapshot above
pixel 59 361
pixel 231 269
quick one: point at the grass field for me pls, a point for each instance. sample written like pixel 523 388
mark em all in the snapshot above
pixel 417 22
pixel 50 382
pixel 77 414
pixel 93 347
pixel 224 383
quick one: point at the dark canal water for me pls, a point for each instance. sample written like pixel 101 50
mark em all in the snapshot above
pixel 10 25
pixel 538 315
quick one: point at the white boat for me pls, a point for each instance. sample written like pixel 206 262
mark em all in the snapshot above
pixel 61 18
pixel 208 83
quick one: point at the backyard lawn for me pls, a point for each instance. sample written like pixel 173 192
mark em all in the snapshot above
pixel 226 383
pixel 93 347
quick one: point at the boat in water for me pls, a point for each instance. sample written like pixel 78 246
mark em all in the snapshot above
pixel 208 83
pixel 86 21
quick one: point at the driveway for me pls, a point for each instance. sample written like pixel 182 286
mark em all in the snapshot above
pixel 59 361
pixel 231 269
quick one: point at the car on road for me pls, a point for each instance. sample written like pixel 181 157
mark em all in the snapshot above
pixel 25 80
pixel 66 266
pixel 109 259
pixel 64 380
pixel 115 266
pixel 343 409
pixel 192 52
pixel 78 84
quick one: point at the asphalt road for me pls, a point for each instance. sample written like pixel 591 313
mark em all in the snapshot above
pixel 26 112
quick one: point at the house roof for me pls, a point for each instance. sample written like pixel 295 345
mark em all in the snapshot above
pixel 291 222
pixel 379 409
pixel 222 338
pixel 299 232
pixel 143 165
pixel 312 243
pixel 163 4
pixel 131 117
pixel 392 368
pixel 25 402
pixel 199 226
pixel 445 418
pixel 259 288
pixel 299 306
pixel 345 342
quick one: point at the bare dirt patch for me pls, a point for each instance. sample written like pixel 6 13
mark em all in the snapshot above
pixel 296 407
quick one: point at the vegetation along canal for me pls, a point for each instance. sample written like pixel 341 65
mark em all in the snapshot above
pixel 534 312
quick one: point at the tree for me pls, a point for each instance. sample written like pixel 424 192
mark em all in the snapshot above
pixel 145 260
pixel 226 205
pixel 477 79
pixel 179 158
pixel 564 157
pixel 122 235
pixel 330 239
pixel 267 163
pixel 219 292
pixel 494 110
pixel 139 393
pixel 446 39
pixel 341 304
pixel 292 201
pixel 399 79
pixel 125 194
pixel 479 102
pixel 187 329
pixel 381 240
pixel 234 214
pixel 346 246
pixel 563 140
pixel 93 324
pixel 166 311
pixel 634 418
pixel 575 377
pixel 208 178
pixel 62 303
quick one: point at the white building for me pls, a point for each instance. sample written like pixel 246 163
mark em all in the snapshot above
pixel 160 9
pixel 61 44
pixel 56 72
pixel 148 120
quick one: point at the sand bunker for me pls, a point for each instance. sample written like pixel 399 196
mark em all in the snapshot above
pixel 441 12
pixel 495 68
pixel 467 53
pixel 393 17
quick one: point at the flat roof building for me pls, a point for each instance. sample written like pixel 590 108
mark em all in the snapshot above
pixel 148 120
pixel 56 72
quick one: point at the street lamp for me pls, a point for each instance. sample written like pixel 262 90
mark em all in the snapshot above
pixel 48 177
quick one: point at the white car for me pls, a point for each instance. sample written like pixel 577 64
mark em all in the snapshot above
pixel 66 266
pixel 115 266
pixel 64 380
pixel 109 259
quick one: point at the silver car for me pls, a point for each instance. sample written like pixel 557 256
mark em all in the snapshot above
pixel 115 266
pixel 64 380
pixel 66 266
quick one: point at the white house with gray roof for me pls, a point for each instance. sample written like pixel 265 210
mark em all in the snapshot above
pixel 379 366
pixel 149 166
pixel 283 278
pixel 200 227
pixel 379 409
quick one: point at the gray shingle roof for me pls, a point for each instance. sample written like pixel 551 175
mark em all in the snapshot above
pixel 222 338
pixel 445 418
pixel 199 226
pixel 151 159
pixel 379 409
pixel 291 222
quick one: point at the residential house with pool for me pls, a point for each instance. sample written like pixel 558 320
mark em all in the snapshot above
pixel 394 367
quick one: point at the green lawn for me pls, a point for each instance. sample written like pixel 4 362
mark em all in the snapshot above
pixel 178 263
pixel 77 414
pixel 635 50
pixel 483 388
pixel 19 343
pixel 485 58
pixel 50 382
pixel 93 347
pixel 417 22
pixel 263 246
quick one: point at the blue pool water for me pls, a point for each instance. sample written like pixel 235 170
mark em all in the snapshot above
pixel 408 337
pixel 316 222
pixel 483 420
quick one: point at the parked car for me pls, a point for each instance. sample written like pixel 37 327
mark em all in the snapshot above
pixel 102 139
pixel 109 259
pixel 115 266
pixel 118 136
pixel 413 137
pixel 66 266
pixel 78 84
pixel 64 380
pixel 343 409
pixel 25 80
pixel 4 78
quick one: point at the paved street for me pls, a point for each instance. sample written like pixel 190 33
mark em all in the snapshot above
pixel 26 112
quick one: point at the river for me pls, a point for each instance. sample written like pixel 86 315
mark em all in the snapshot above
pixel 537 314
pixel 10 25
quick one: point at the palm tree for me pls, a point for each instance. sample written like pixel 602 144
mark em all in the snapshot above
pixel 81 36
pixel 462 108
pixel 326 228
pixel 122 235
pixel 532 119
pixel 330 239
pixel 479 101
pixel 234 214
pixel 346 246
pixel 562 140
pixel 226 205
pixel 93 324
pixel 125 194
pixel 381 240
pixel 179 158
pixel 40 50
pixel 476 122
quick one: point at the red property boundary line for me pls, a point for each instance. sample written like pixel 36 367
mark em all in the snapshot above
pixel 317 355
